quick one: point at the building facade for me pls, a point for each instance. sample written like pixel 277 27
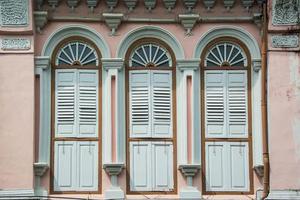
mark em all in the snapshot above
pixel 159 99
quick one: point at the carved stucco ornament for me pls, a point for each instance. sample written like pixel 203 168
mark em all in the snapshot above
pixel 15 44
pixel 53 3
pixel 286 12
pixel 113 20
pixel 72 4
pixel 188 21
pixel 14 13
pixel 92 4
pixel 130 4
pixel 150 4
pixel 248 3
pixel 228 4
pixel 190 4
pixel 285 41
pixel 169 4
pixel 40 19
pixel 209 4
pixel 111 4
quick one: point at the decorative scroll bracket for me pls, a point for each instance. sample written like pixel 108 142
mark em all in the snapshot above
pixel 188 21
pixel 113 20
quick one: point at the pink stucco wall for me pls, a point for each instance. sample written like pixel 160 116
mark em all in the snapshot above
pixel 17 121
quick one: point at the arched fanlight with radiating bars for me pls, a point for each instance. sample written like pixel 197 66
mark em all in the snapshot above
pixel 77 53
pixel 150 55
pixel 225 54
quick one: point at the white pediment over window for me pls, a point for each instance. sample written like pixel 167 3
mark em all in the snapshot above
pixel 150 55
pixel 77 53
pixel 225 55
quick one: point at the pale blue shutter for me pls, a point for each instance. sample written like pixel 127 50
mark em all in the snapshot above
pixel 139 106
pixel 237 103
pixel 162 161
pixel 87 103
pixel 140 166
pixel 65 166
pixel 65 106
pixel 215 103
pixel 161 95
pixel 87 162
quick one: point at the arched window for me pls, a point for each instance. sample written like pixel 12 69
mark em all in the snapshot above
pixel 151 115
pixel 226 130
pixel 75 115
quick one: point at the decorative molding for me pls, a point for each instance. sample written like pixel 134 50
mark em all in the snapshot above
pixel 92 4
pixel 42 62
pixel 257 18
pixel 286 12
pixel 15 44
pixel 112 63
pixel 189 169
pixel 209 4
pixel 53 3
pixel 285 41
pixel 39 4
pixel 150 4
pixel 259 170
pixel 280 195
pixel 169 4
pixel 228 4
pixel 188 21
pixel 192 64
pixel 14 13
pixel 256 64
pixel 18 192
pixel 190 4
pixel 40 168
pixel 40 19
pixel 130 4
pixel 111 4
pixel 113 170
pixel 73 4
pixel 247 3
pixel 113 20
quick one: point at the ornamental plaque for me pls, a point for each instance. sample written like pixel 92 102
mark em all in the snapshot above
pixel 15 44
pixel 13 12
pixel 285 41
pixel 286 12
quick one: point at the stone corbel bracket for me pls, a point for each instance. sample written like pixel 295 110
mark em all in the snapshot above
pixel 130 4
pixel 113 20
pixel 112 63
pixel 113 170
pixel 228 4
pixel 188 21
pixel 53 4
pixel 248 3
pixel 192 64
pixel 257 18
pixel 259 170
pixel 40 19
pixel 256 65
pixel 72 4
pixel 169 4
pixel 92 4
pixel 190 4
pixel 189 171
pixel 150 4
pixel 209 4
pixel 40 168
pixel 111 4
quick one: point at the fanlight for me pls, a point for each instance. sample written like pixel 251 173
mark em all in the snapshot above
pixel 77 53
pixel 225 54
pixel 150 55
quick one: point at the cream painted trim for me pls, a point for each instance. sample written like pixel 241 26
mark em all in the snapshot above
pixel 152 32
pixel 252 44
pixel 16 192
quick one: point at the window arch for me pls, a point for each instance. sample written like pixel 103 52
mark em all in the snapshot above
pixel 226 117
pixel 151 117
pixel 76 116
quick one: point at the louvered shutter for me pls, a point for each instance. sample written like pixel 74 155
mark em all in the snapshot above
pixel 239 166
pixel 65 93
pixel 140 166
pixel 237 103
pixel 215 96
pixel 87 162
pixel 139 98
pixel 162 161
pixel 161 82
pixel 216 168
pixel 65 166
pixel 87 103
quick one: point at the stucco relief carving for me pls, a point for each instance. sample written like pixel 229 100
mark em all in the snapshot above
pixel 285 41
pixel 286 12
pixel 15 44
pixel 13 13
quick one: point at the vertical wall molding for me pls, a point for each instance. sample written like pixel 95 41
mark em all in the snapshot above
pixel 188 68
pixel 112 68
